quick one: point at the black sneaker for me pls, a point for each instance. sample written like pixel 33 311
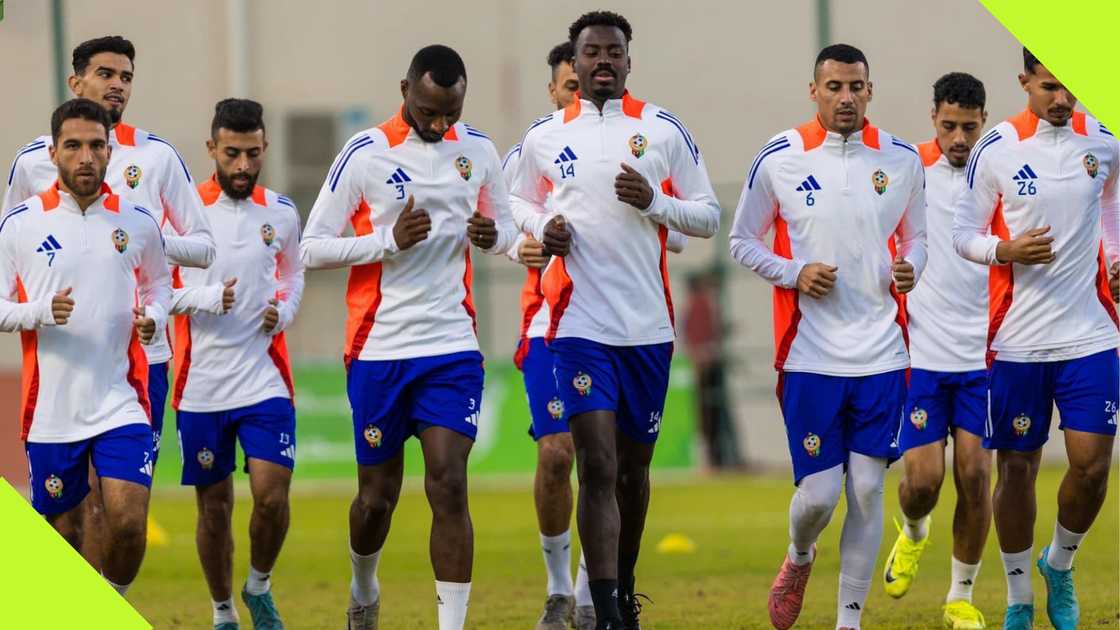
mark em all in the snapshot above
pixel 631 608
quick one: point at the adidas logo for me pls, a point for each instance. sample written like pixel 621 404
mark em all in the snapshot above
pixel 1070 548
pixel 1015 571
pixel 852 606
pixel 965 582
pixel 146 469
pixel 398 177
pixel 810 184
pixel 1025 174
pixel 289 452
pixel 50 247
pixel 223 607
pixel 567 155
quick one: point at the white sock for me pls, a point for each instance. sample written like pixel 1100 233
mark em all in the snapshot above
pixel 915 530
pixel 1062 547
pixel 583 584
pixel 257 583
pixel 451 604
pixel 364 587
pixel 120 588
pixel 1018 569
pixel 861 536
pixel 850 601
pixel 811 509
pixel 225 612
pixel 557 552
pixel 964 578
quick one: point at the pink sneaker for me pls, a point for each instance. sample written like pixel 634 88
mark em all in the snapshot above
pixel 788 592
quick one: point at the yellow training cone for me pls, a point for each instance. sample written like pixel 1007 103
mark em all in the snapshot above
pixel 157 536
pixel 676 543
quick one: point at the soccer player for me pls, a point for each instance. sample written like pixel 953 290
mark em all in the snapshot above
pixel 419 190
pixel 233 381
pixel 847 206
pixel 84 279
pixel 146 170
pixel 617 174
pixel 947 315
pixel 1040 186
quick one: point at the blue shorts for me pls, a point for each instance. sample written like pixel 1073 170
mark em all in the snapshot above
pixel 1021 398
pixel 392 400
pixel 828 417
pixel 546 412
pixel 157 397
pixel 208 439
pixel 631 381
pixel 939 402
pixel 60 471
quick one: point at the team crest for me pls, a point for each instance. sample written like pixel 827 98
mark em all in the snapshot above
pixel 638 145
pixel 372 435
pixel 918 418
pixel 880 180
pixel 268 234
pixel 556 408
pixel 205 458
pixel 463 165
pixel 54 486
pixel 1092 164
pixel 120 240
pixel 582 383
pixel 1021 424
pixel 812 444
pixel 132 175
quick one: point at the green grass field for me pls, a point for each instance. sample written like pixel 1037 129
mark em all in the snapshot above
pixel 738 524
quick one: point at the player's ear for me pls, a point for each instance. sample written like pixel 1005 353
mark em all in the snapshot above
pixel 983 117
pixel 404 88
pixel 933 115
pixel 1023 80
pixel 212 148
pixel 870 91
pixel 813 91
pixel 53 151
pixel 74 82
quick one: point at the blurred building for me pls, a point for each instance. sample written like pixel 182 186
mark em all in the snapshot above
pixel 736 72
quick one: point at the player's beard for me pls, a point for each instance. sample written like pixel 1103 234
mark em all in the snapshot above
pixel 226 182
pixel 114 115
pixel 86 186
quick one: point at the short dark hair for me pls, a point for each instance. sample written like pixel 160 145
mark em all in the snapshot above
pixel 239 115
pixel 844 53
pixel 560 53
pixel 81 108
pixel 110 43
pixel 444 64
pixel 961 88
pixel 600 18
pixel 1029 61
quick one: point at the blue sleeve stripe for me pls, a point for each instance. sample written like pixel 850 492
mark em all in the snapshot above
pixel 769 149
pixel 346 158
pixel 11 213
pixel 687 138
pixel 284 201
pixel 154 222
pixel 974 159
pixel 478 135
pixel 346 149
pixel 179 157
pixel 31 148
pixel 1104 130
pixel 515 149
pixel 898 143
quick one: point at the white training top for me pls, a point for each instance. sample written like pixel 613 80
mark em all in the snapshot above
pixel 847 202
pixel 90 375
pixel 1026 173
pixel 226 361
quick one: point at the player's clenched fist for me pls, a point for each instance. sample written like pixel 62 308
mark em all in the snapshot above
pixel 531 253
pixel 557 238
pixel 229 295
pixel 903 273
pixel 271 317
pixel 482 231
pixel 61 306
pixel 816 279
pixel 632 188
pixel 412 226
pixel 145 326
pixel 1032 248
pixel 1114 281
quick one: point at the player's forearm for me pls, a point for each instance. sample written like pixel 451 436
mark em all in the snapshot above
pixel 675 242
pixel 191 300
pixel 343 251
pixel 17 316
pixel 291 295
pixel 750 252
pixel 195 250
pixel 691 217
pixel 1110 231
pixel 529 216
pixel 975 246
pixel 508 236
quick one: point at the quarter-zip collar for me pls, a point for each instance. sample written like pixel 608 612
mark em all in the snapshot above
pixel 54 197
pixel 211 192
pixel 397 130
pixel 612 108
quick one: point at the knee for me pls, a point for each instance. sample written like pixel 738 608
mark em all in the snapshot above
pixel 1017 470
pixel 924 489
pixel 1091 474
pixel 215 514
pixel 555 461
pixel 974 482
pixel 447 489
pixel 373 505
pixel 130 529
pixel 598 470
pixel 866 491
pixel 273 506
pixel 818 501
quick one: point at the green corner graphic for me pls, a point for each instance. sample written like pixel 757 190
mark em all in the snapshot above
pixel 1075 42
pixel 45 583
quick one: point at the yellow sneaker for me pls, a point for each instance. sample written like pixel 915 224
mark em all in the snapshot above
pixel 961 615
pixel 902 563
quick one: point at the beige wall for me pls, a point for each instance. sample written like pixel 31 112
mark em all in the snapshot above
pixel 737 72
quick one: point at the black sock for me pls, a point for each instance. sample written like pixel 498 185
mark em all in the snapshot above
pixel 604 594
pixel 626 564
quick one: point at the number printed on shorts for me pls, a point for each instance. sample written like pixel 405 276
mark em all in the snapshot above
pixel 285 438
